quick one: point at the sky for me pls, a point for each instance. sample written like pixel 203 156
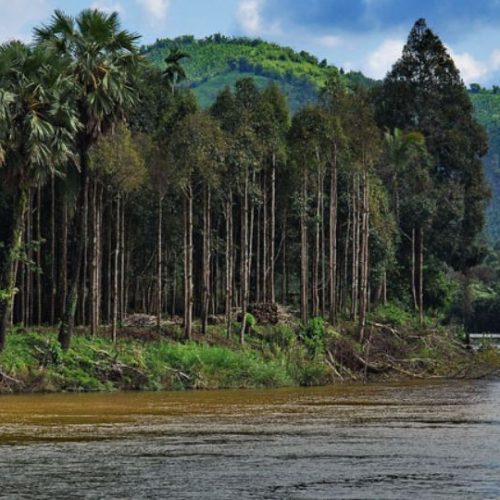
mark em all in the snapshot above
pixel 365 35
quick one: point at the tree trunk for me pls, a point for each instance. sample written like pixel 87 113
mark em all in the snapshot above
pixel 303 252
pixel 116 260
pixel 244 258
pixel 159 261
pixel 413 271
pixel 207 258
pixel 53 284
pixel 39 255
pixel 420 247
pixel 364 258
pixel 332 243
pixel 272 255
pixel 188 262
pixel 7 287
pixel 67 326
pixel 229 262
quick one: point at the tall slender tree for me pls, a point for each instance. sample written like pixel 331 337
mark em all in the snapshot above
pixel 101 59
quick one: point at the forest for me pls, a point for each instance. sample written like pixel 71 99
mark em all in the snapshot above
pixel 120 195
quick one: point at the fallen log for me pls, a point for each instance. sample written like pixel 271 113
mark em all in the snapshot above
pixel 8 378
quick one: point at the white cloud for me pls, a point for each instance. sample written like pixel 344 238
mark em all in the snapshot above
pixel 249 16
pixel 108 7
pixel 471 70
pixel 330 41
pixel 156 10
pixel 381 59
pixel 19 16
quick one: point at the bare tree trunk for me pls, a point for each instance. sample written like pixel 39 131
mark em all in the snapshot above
pixel 28 267
pixel 332 243
pixel 9 271
pixel 365 234
pixel 421 275
pixel 355 248
pixel 229 261
pixel 116 260
pixel 122 310
pixel 159 262
pixel 83 278
pixel 188 262
pixel 93 261
pixel 68 319
pixel 284 281
pixel 207 258
pixel 272 256
pixel 317 241
pixel 244 258
pixel 53 284
pixel 303 252
pixel 265 247
pixel 413 272
pixel 39 255
pixel 260 269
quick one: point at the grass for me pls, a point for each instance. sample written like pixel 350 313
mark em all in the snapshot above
pixel 274 356
pixel 38 364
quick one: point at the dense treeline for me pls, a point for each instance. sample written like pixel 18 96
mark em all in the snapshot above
pixel 119 195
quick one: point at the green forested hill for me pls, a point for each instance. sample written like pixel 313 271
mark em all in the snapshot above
pixel 487 106
pixel 217 61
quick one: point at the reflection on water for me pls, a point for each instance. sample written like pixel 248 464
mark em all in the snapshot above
pixel 424 440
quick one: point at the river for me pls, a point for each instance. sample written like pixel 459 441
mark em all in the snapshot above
pixel 408 440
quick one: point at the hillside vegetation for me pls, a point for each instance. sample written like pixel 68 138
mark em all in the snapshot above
pixel 217 61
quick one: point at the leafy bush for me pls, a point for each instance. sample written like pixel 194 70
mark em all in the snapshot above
pixel 392 314
pixel 313 335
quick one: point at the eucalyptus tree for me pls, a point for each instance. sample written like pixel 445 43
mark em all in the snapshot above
pixel 366 148
pixel 120 166
pixel 275 121
pixel 334 100
pixel 197 147
pixel 37 126
pixel 101 59
pixel 225 111
pixel 307 143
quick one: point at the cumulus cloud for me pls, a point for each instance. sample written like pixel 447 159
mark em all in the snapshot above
pixel 471 70
pixel 249 16
pixel 156 10
pixel 253 22
pixel 383 57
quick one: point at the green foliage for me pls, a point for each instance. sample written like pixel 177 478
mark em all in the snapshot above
pixel 313 335
pixel 218 61
pixel 392 314
pixel 96 364
pixel 250 320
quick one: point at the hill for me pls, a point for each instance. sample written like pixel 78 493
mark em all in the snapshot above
pixel 487 107
pixel 218 60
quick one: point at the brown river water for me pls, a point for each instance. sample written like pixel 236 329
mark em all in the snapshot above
pixel 408 440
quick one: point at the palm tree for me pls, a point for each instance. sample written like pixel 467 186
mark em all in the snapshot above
pixel 102 61
pixel 174 72
pixel 36 139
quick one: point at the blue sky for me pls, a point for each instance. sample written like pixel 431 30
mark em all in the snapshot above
pixel 365 35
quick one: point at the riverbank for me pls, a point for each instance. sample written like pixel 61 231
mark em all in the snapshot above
pixel 274 356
